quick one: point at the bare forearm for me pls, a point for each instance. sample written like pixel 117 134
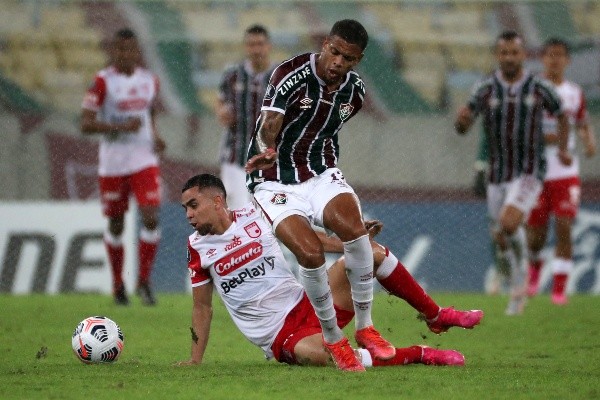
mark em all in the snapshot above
pixel 331 244
pixel 563 133
pixel 268 131
pixel 201 319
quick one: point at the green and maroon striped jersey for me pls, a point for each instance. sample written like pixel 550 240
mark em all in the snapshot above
pixel 308 140
pixel 512 121
pixel 243 89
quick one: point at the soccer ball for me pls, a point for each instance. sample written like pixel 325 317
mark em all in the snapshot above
pixel 97 340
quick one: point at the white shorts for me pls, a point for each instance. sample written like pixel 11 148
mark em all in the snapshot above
pixel 521 193
pixel 308 199
pixel 234 179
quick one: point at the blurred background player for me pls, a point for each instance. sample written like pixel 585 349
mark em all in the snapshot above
pixel 562 188
pixel 498 281
pixel 265 300
pixel 511 102
pixel 120 105
pixel 292 167
pixel 241 93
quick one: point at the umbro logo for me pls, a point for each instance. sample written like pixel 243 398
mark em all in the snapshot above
pixel 306 103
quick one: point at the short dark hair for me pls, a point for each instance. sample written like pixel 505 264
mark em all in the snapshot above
pixel 351 31
pixel 257 29
pixel 554 41
pixel 508 36
pixel 125 33
pixel 204 181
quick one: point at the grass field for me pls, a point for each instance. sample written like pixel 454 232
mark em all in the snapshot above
pixel 549 353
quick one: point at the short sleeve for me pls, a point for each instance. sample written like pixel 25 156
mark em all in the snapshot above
pixel 198 275
pixel 95 95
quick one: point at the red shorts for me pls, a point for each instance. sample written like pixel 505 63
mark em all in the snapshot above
pixel 560 197
pixel 115 191
pixel 302 322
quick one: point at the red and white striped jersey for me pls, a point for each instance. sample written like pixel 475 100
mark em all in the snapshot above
pixel 574 106
pixel 249 272
pixel 117 97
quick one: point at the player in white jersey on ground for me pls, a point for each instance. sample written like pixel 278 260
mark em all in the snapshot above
pixel 120 105
pixel 562 188
pixel 236 253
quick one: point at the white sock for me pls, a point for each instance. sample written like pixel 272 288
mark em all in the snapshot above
pixel 562 266
pixel 149 236
pixel 316 286
pixel 359 268
pixel 516 258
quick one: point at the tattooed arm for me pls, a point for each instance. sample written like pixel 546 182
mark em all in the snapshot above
pixel 201 319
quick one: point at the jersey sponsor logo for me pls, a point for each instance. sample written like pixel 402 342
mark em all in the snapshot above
pixel 235 242
pixel 132 104
pixel 243 276
pixel 279 199
pixel 294 80
pixel 241 257
pixel 306 103
pixel 345 110
pixel 359 82
pixel 270 92
pixel 253 230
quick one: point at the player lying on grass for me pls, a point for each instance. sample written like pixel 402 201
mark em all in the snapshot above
pixel 236 253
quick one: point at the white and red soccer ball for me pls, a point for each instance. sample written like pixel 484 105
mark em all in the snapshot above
pixel 97 340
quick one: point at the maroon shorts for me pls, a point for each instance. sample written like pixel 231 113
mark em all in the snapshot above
pixel 115 191
pixel 559 197
pixel 302 322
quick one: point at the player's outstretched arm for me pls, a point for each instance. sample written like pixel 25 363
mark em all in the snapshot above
pixel 201 319
pixel 265 141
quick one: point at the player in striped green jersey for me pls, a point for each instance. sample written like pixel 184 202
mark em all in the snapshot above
pixel 511 102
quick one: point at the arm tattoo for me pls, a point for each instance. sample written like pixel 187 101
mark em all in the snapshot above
pixel 194 336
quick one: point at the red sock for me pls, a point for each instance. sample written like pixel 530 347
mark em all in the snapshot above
pixel 537 264
pixel 116 255
pixel 401 284
pixel 559 283
pixel 405 355
pixel 147 253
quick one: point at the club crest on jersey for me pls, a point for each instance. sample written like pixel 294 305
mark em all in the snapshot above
pixel 253 230
pixel 345 110
pixel 279 199
pixel 306 103
pixel 529 100
pixel 493 102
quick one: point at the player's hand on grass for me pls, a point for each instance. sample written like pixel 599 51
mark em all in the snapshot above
pixel 373 227
pixel 261 161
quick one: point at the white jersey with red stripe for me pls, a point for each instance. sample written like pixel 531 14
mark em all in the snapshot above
pixel 117 97
pixel 249 272
pixel 574 106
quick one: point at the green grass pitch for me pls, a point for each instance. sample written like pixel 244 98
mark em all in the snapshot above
pixel 548 353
